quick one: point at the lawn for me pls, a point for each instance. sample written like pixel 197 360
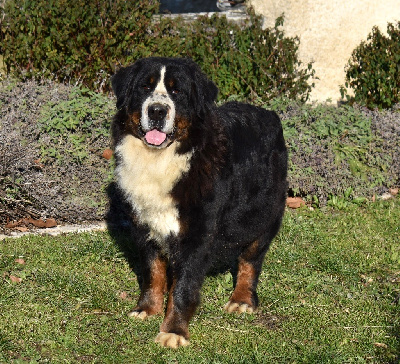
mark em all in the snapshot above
pixel 329 293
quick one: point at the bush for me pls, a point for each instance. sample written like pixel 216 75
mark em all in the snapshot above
pixel 84 40
pixel 71 40
pixel 75 124
pixel 339 152
pixel 373 71
pixel 52 138
pixel 249 61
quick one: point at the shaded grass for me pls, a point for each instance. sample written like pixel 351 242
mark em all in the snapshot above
pixel 329 293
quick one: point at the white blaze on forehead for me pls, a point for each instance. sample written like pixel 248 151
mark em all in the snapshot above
pixel 160 88
pixel 159 96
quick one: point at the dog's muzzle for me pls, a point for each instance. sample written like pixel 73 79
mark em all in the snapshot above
pixel 157 114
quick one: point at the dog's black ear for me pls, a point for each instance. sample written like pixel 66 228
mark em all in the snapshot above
pixel 204 91
pixel 121 82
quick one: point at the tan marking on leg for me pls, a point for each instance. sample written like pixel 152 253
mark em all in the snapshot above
pixel 245 279
pixel 250 251
pixel 159 283
pixel 241 299
pixel 152 298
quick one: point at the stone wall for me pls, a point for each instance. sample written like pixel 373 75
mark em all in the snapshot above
pixel 329 31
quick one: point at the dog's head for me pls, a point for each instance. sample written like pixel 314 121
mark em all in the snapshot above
pixel 162 99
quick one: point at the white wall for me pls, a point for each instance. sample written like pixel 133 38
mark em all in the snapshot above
pixel 328 31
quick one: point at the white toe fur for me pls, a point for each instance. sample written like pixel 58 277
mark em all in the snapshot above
pixel 170 340
pixel 236 307
pixel 138 314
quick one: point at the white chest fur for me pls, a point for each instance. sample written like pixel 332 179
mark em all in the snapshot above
pixel 147 177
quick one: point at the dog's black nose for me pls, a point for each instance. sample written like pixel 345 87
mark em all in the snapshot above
pixel 157 112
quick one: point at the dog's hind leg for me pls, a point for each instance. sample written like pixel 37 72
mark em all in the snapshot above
pixel 244 297
pixel 153 287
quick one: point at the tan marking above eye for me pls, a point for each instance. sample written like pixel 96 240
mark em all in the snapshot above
pixel 149 83
pixel 172 86
pixel 171 82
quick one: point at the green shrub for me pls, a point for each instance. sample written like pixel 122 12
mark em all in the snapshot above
pixel 71 40
pixel 69 127
pixel 339 153
pixel 83 41
pixel 373 71
pixel 249 61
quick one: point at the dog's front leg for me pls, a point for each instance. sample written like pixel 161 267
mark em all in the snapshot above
pixel 183 299
pixel 153 285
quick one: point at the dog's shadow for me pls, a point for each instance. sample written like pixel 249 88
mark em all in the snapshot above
pixel 120 227
pixel 124 234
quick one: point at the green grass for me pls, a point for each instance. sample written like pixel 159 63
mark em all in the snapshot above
pixel 329 293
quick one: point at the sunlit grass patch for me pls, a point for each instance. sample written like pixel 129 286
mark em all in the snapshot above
pixel 329 293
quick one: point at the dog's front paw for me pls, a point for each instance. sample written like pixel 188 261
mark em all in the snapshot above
pixel 138 314
pixel 232 306
pixel 170 340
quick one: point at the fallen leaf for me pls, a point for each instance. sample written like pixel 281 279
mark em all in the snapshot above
pixel 295 202
pixel 51 223
pixel 366 280
pixel 15 279
pixel 20 261
pixel 386 196
pixel 381 345
pixel 394 191
pixel 37 223
pixel 11 225
pixel 22 229
pixel 107 154
pixel 38 164
pixel 40 223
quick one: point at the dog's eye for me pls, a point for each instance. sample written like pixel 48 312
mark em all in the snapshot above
pixel 146 87
pixel 175 91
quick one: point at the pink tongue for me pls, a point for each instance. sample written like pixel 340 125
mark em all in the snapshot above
pixel 155 137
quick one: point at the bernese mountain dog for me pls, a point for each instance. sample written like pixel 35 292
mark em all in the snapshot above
pixel 205 184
